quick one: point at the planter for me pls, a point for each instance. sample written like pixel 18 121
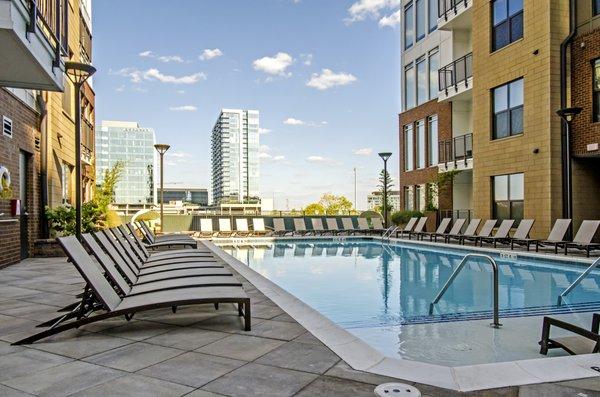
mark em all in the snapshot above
pixel 47 248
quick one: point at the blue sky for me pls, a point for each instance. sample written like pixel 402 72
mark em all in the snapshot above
pixel 323 73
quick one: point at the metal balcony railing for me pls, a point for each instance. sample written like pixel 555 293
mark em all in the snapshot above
pixel 456 72
pixel 455 149
pixel 49 16
pixel 445 7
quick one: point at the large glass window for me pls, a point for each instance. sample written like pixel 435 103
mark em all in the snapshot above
pixel 432 140
pixel 596 89
pixel 408 148
pixel 409 86
pixel 509 196
pixel 596 6
pixel 507 22
pixel 508 109
pixel 409 26
pixel 434 65
pixel 422 91
pixel 421 19
pixel 433 14
pixel 408 198
pixel 420 144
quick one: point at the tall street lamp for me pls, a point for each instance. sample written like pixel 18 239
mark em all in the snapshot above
pixel 385 156
pixel 78 73
pixel 568 114
pixel 161 148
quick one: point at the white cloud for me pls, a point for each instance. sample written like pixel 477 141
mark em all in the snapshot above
pixel 362 9
pixel 293 121
pixel 263 131
pixel 180 155
pixel 329 78
pixel 280 157
pixel 264 156
pixel 181 92
pixel 322 160
pixel 307 59
pixel 184 108
pixel 120 88
pixel 137 76
pixel 209 54
pixel 366 151
pixel 391 20
pixel 146 54
pixel 170 58
pixel 276 65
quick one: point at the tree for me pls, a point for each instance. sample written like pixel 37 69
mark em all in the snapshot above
pixel 329 204
pixel 443 181
pixel 385 181
pixel 105 192
pixel 314 209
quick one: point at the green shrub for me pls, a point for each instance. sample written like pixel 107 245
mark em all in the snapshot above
pixel 402 217
pixel 62 218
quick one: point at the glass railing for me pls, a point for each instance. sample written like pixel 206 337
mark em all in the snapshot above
pixel 456 72
pixel 455 149
pixel 445 7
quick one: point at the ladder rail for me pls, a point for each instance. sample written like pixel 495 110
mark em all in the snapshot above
pixel 496 323
pixel 577 281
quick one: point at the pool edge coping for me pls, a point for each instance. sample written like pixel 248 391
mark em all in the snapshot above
pixel 361 356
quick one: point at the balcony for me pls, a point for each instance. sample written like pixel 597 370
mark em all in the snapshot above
pixel 456 79
pixel 30 41
pixel 455 14
pixel 456 153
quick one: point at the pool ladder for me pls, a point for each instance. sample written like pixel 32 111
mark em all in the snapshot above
pixel 496 323
pixel 388 232
pixel 577 281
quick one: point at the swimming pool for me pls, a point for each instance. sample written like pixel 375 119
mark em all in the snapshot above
pixel 379 291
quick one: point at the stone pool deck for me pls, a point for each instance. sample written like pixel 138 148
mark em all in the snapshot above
pixel 196 352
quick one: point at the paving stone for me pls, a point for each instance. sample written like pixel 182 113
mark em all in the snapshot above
pixel 344 371
pixel 182 318
pixel 6 391
pixel 134 357
pixel 33 311
pixel 202 393
pixel 187 338
pixel 307 337
pixel 27 361
pixel 334 387
pixel 276 330
pixel 192 369
pixel 64 379
pixel 302 357
pixel 255 380
pixel 12 325
pixel 7 348
pixel 138 330
pixel 284 317
pixel 549 390
pixel 78 344
pixel 136 385
pixel 226 323
pixel 10 292
pixel 241 347
pixel 266 311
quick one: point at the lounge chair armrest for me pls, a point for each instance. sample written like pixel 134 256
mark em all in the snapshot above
pixel 549 321
pixel 596 323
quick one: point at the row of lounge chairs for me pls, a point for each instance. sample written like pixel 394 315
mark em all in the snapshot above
pixel 556 238
pixel 124 276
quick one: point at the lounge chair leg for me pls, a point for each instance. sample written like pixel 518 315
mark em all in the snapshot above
pixel 128 317
pixel 216 306
pixel 240 311
pixel 247 316
pixel 174 309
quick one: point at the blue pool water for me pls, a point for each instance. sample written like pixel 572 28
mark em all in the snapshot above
pixel 364 283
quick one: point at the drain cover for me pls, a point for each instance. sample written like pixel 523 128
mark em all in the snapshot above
pixel 397 390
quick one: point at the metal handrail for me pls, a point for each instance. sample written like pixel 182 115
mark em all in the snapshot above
pixel 577 281
pixel 457 71
pixel 496 323
pixel 445 6
pixel 388 232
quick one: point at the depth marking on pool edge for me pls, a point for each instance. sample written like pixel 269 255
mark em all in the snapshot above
pixel 508 255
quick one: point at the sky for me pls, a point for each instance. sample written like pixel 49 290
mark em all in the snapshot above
pixel 324 75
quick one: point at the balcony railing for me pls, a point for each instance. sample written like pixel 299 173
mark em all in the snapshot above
pixel 456 72
pixel 447 6
pixel 50 17
pixel 456 149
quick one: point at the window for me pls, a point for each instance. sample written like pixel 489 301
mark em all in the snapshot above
pixel 409 86
pixel 421 19
pixel 409 26
pixel 596 6
pixel 7 127
pixel 432 140
pixel 596 89
pixel 434 65
pixel 421 144
pixel 408 148
pixel 418 197
pixel 422 94
pixel 508 110
pixel 507 22
pixel 433 14
pixel 509 195
pixel 408 198
pixel 66 183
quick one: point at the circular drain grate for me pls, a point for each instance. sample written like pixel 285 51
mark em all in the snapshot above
pixel 397 390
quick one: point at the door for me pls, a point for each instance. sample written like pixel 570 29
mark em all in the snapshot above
pixel 24 197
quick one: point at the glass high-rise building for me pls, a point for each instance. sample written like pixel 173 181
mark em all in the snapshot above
pixel 128 142
pixel 235 163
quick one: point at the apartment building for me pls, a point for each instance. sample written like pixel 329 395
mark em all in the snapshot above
pixel 197 196
pixel 375 200
pixel 235 162
pixel 500 80
pixel 133 146
pixel 37 143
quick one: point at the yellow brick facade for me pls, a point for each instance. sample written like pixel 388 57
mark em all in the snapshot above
pixel 536 59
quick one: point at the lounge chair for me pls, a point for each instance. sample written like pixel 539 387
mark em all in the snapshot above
pixel 348 226
pixel 440 231
pixel 157 238
pixel 377 226
pixel 454 231
pixel 332 226
pixel 317 224
pixel 166 243
pixel 103 302
pixel 363 226
pixel 583 238
pixel 584 342
pixel 470 231
pixel 418 228
pixel 258 227
pixel 279 227
pixel 521 236
pixel 206 228
pixel 408 227
pixel 556 236
pixel 486 231
pixel 300 227
pixel 224 228
pixel 241 227
pixel 500 235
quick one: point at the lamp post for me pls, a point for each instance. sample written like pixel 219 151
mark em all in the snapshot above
pixel 161 148
pixel 78 73
pixel 568 114
pixel 385 156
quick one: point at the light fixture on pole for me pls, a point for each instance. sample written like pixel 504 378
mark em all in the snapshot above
pixel 78 73
pixel 568 114
pixel 385 156
pixel 161 148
